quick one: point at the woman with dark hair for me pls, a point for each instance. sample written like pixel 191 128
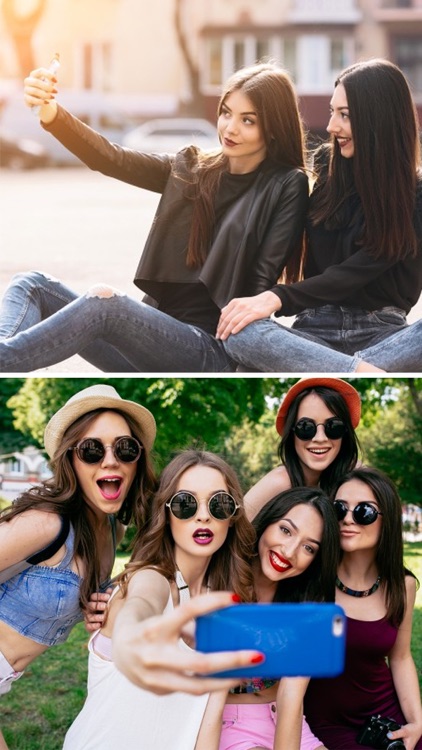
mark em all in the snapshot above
pixel 227 224
pixel 296 557
pixel 377 594
pixel 362 272
pixel 316 420
pixel 58 539
pixel 198 539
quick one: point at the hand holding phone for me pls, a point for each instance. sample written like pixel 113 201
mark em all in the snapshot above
pixel 298 640
pixel 52 68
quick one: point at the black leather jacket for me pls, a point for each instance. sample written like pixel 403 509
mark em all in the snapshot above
pixel 252 241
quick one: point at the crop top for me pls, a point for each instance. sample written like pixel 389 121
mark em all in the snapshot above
pixel 41 602
pixel 254 685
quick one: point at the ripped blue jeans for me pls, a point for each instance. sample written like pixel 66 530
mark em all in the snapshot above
pixel 331 339
pixel 43 322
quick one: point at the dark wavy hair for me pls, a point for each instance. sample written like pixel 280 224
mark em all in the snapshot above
pixel 61 494
pixel 389 555
pixel 349 450
pixel 317 582
pixel 385 167
pixel 230 566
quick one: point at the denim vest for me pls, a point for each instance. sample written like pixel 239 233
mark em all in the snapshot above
pixel 42 603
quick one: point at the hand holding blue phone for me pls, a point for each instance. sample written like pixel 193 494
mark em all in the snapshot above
pixel 305 639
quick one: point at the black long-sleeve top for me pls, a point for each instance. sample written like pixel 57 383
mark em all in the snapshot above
pixel 339 271
pixel 260 219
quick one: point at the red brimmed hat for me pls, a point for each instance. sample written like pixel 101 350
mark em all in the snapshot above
pixel 350 395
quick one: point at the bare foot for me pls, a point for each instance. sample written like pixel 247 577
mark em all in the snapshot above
pixel 366 367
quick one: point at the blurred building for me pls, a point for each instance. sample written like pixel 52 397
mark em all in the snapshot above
pixel 132 49
pixel 20 470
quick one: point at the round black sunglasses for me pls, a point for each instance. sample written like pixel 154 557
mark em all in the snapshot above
pixel 306 428
pixel 92 450
pixel 184 505
pixel 363 513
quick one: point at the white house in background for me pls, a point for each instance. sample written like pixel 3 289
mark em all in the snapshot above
pixel 19 470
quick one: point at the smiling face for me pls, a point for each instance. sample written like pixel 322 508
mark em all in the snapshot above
pixel 201 535
pixel 353 536
pixel 339 124
pixel 316 454
pixel 240 133
pixel 105 485
pixel 287 548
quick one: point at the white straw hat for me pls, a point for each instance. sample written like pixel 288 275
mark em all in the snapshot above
pixel 97 397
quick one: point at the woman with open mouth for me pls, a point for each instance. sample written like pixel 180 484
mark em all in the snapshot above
pixel 58 540
pixel 198 540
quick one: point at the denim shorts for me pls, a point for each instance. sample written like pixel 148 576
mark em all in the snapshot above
pixel 7 675
pixel 249 725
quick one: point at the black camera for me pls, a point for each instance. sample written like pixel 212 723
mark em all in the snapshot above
pixel 374 734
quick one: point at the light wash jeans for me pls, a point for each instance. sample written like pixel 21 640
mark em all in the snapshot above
pixel 330 339
pixel 42 322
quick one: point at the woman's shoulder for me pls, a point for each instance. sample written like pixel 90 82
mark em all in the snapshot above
pixel 275 481
pixel 27 534
pixel 284 173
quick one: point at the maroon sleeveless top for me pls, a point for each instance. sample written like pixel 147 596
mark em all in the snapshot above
pixel 336 708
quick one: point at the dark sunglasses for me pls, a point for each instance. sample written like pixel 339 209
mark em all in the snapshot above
pixel 184 505
pixel 92 450
pixel 306 428
pixel 363 513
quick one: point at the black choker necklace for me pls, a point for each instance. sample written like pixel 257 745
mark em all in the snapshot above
pixel 352 592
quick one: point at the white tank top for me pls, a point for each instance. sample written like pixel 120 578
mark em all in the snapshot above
pixel 118 714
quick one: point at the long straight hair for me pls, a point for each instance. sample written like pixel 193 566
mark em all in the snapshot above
pixel 61 494
pixel 389 553
pixel 385 166
pixel 230 566
pixel 317 582
pixel 349 450
pixel 273 97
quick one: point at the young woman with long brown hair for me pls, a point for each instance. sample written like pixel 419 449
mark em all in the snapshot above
pixel 227 224
pixel 58 539
pixel 198 539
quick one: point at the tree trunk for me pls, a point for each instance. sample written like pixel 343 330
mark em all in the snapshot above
pixel 195 106
pixel 21 28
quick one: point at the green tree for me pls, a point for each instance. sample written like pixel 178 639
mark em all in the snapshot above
pixel 10 439
pixel 187 410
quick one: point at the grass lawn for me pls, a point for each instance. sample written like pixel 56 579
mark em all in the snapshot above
pixel 42 704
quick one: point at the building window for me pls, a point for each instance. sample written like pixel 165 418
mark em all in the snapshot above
pixel 215 62
pixel 313 60
pixel 289 56
pixel 262 49
pixel 337 54
pixel 14 466
pixel 239 54
pixel 226 54
pixel 407 53
pixel 94 66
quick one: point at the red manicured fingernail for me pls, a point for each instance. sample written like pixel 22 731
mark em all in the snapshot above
pixel 258 659
pixel 236 598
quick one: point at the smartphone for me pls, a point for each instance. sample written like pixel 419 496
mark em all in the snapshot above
pixel 304 639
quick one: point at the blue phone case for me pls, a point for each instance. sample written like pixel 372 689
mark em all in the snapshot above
pixel 305 639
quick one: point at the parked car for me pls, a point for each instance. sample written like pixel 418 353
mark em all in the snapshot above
pixel 22 153
pixel 94 108
pixel 171 134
